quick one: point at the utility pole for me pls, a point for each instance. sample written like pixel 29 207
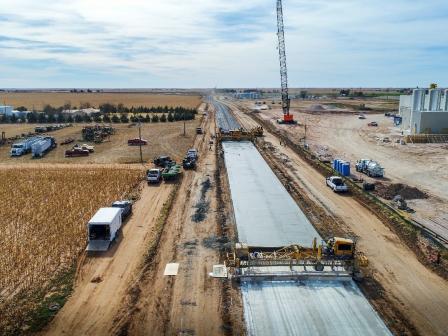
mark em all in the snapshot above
pixel 140 137
pixel 183 117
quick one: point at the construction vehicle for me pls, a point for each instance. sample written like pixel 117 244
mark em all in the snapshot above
pixel 370 168
pixel 43 146
pixel 336 184
pixel 286 102
pixel 171 172
pixel 97 133
pixel 335 258
pixel 23 147
pixel 400 203
pixel 103 228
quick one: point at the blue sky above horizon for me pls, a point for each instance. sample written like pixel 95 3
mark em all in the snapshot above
pixel 222 43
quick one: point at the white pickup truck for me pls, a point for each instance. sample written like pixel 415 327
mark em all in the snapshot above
pixel 337 184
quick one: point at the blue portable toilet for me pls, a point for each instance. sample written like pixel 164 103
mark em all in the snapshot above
pixel 341 162
pixel 335 164
pixel 346 169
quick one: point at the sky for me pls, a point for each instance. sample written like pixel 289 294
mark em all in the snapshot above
pixel 221 43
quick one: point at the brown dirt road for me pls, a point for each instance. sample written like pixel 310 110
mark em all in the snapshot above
pixel 92 307
pixel 188 304
pixel 418 293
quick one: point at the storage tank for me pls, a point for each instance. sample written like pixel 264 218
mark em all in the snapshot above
pixel 346 169
pixel 418 97
pixel 446 101
pixel 435 97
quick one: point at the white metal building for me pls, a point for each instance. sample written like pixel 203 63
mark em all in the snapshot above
pixel 425 111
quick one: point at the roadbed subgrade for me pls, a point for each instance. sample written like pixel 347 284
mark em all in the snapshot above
pixel 309 308
pixel 265 213
pixel 224 118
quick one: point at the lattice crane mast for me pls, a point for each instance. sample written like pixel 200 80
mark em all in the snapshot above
pixel 287 118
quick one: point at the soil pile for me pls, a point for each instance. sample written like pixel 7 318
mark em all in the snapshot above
pixel 390 191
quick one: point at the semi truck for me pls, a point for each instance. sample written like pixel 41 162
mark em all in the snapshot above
pixel 23 147
pixel 43 146
pixel 103 228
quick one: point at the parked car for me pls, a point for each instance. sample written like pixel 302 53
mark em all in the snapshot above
pixel 126 207
pixel 361 116
pixel 192 153
pixel 336 184
pixel 154 176
pixel 137 142
pixel 162 161
pixel 189 163
pixel 199 130
pixel 373 123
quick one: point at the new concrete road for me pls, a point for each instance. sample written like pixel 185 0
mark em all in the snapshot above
pixel 266 214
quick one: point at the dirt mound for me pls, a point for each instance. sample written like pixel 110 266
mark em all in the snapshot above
pixel 317 108
pixel 390 191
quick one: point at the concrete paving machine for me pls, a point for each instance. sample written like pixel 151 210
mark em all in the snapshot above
pixel 240 134
pixel 334 259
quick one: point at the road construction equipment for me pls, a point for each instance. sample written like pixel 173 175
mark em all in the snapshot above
pixel 240 134
pixel 334 258
pixel 97 133
pixel 287 118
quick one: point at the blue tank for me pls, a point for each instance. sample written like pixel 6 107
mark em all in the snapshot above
pixel 346 169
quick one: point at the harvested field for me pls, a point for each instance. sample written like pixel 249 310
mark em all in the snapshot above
pixel 390 191
pixel 44 214
pixel 40 99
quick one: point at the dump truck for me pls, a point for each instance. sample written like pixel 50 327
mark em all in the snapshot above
pixel 370 168
pixel 43 146
pixel 103 228
pixel 23 147
pixel 336 184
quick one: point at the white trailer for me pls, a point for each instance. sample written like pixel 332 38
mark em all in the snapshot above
pixel 103 228
pixel 42 146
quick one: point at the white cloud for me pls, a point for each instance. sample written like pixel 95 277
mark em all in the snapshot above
pixel 203 43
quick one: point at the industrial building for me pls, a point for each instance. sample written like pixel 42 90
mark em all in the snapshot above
pixel 247 95
pixel 425 111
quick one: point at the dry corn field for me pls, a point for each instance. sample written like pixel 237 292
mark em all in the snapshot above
pixel 43 224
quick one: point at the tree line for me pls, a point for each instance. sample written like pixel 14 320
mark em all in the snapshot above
pixel 108 114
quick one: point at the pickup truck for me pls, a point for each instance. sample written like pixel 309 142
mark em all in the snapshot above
pixel 89 148
pixel 193 153
pixel 126 208
pixel 336 184
pixel 162 161
pixel 153 176
pixel 76 152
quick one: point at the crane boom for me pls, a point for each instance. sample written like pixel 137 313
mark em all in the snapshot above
pixel 287 118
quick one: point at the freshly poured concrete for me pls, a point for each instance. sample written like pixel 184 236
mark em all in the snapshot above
pixel 266 215
pixel 309 308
